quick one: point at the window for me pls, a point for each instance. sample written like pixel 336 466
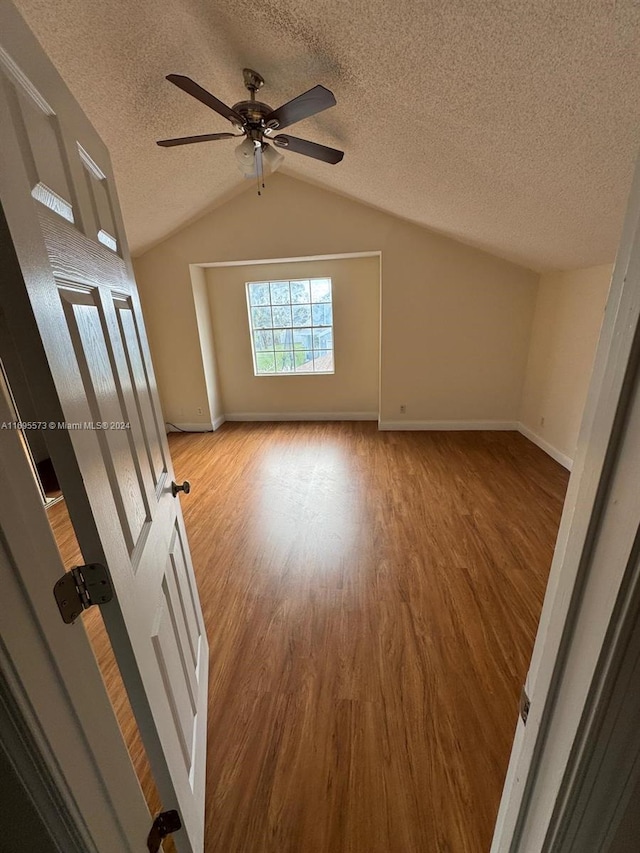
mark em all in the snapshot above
pixel 291 325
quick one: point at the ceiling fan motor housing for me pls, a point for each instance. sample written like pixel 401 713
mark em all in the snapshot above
pixel 252 80
pixel 253 112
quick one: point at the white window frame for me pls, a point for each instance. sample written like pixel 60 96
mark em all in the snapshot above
pixel 312 328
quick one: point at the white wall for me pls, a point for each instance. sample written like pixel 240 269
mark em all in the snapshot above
pixel 455 321
pixel 352 391
pixel 568 315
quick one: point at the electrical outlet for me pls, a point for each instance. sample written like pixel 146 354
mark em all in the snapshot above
pixel 199 410
pixel 542 421
pixel 403 409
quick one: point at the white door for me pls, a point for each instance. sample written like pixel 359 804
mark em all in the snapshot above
pixel 70 297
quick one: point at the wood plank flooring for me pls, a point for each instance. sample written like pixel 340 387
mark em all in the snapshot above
pixel 371 600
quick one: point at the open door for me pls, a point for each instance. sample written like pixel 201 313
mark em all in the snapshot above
pixel 71 304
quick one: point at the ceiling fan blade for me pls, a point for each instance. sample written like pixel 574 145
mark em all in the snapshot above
pixel 305 105
pixel 310 149
pixel 192 88
pixel 187 140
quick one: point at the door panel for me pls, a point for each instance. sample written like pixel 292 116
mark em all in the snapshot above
pixel 80 335
pixel 150 436
pixel 187 594
pixel 107 404
pixel 166 642
pixel 37 130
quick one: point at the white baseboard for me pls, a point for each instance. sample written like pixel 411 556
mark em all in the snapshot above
pixel 301 416
pixel 447 425
pixel 554 453
pixel 188 427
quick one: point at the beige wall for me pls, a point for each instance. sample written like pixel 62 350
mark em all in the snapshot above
pixel 455 320
pixel 352 389
pixel 199 284
pixel 172 328
pixel 566 326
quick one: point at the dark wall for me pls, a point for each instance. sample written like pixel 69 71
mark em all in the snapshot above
pixel 21 828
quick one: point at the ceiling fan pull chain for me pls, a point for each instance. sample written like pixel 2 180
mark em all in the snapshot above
pixel 259 165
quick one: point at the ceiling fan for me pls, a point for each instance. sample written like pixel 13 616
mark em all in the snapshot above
pixel 258 122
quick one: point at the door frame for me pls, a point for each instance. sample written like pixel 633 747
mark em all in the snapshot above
pixel 70 752
pixel 584 662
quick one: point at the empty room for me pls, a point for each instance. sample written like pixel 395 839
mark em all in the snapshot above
pixel 319 350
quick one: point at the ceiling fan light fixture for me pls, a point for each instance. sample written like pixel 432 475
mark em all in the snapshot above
pixel 245 151
pixel 245 155
pixel 272 158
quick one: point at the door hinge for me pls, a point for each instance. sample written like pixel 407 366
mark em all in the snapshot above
pixel 80 588
pixel 163 825
pixel 525 704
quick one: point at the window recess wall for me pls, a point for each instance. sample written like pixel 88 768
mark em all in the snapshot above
pixel 352 391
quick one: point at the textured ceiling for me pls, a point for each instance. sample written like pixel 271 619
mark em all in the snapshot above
pixel 509 124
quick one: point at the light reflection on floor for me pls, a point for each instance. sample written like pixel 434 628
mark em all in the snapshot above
pixel 302 493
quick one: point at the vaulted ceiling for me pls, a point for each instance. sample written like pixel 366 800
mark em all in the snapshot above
pixel 511 125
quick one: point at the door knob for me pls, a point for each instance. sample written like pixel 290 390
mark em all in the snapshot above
pixel 185 487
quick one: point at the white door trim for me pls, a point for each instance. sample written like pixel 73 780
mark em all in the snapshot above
pixel 576 625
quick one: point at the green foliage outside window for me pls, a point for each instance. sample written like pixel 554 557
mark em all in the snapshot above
pixel 291 326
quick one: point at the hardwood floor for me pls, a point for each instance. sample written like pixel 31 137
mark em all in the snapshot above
pixel 371 600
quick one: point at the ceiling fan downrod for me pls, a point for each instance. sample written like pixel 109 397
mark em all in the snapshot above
pixel 253 81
